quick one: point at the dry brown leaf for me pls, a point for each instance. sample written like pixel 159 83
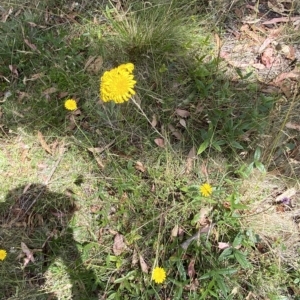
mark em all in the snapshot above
pixel 265 44
pixel 276 6
pixel 99 161
pixel 204 168
pixel 31 46
pixel 192 153
pixel 268 57
pixel 29 254
pixel 14 70
pixel 175 132
pixel 193 286
pixel 22 95
pixel 31 24
pixel 94 208
pixel 288 51
pixel 282 76
pixel 291 125
pixel 119 245
pixel 49 91
pixel 140 167
pixel 222 245
pixel 279 20
pixel 154 121
pixel 182 122
pixel 189 161
pixel 159 142
pixel 143 264
pixel 135 258
pixel 43 143
pixel 6 15
pixel 94 64
pixel 36 76
pixel 191 269
pixel 258 66
pixel 182 113
pixel 113 232
pixel 174 232
pixel 203 214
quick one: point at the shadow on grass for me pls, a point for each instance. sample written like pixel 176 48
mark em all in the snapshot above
pixel 39 218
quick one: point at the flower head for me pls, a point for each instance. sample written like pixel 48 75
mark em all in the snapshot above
pixel 118 84
pixel 70 104
pixel 3 254
pixel 205 190
pixel 159 275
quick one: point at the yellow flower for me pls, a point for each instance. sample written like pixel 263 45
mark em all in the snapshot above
pixel 3 254
pixel 118 84
pixel 159 275
pixel 206 190
pixel 70 104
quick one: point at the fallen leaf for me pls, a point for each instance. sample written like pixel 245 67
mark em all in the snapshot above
pixel 203 216
pixel 119 245
pixel 182 122
pixel 285 75
pixel 6 15
pixel 31 24
pixel 268 57
pixel 192 153
pixel 43 143
pixel 62 95
pixel 191 269
pixel 193 286
pixel 99 150
pixel 94 208
pixel 175 132
pixel 204 168
pixel 189 161
pixel 182 113
pixel 276 6
pixel 283 19
pixel 135 258
pixel 154 121
pixel 288 51
pixel 265 44
pixel 28 253
pixel 31 46
pixel 13 69
pixel 36 76
pixel 99 161
pixel 291 125
pixel 174 232
pixel 223 246
pixel 160 142
pixel 49 91
pixel 94 64
pixel 143 264
pixel 22 95
pixel 140 167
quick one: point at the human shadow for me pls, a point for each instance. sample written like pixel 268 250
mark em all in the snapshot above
pixel 39 218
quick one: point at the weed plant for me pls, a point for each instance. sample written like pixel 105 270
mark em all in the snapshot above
pixel 124 169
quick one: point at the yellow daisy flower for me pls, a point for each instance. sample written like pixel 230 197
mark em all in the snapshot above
pixel 118 84
pixel 205 190
pixel 3 254
pixel 70 104
pixel 159 275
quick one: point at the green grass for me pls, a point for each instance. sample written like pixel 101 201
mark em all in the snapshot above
pixel 150 195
